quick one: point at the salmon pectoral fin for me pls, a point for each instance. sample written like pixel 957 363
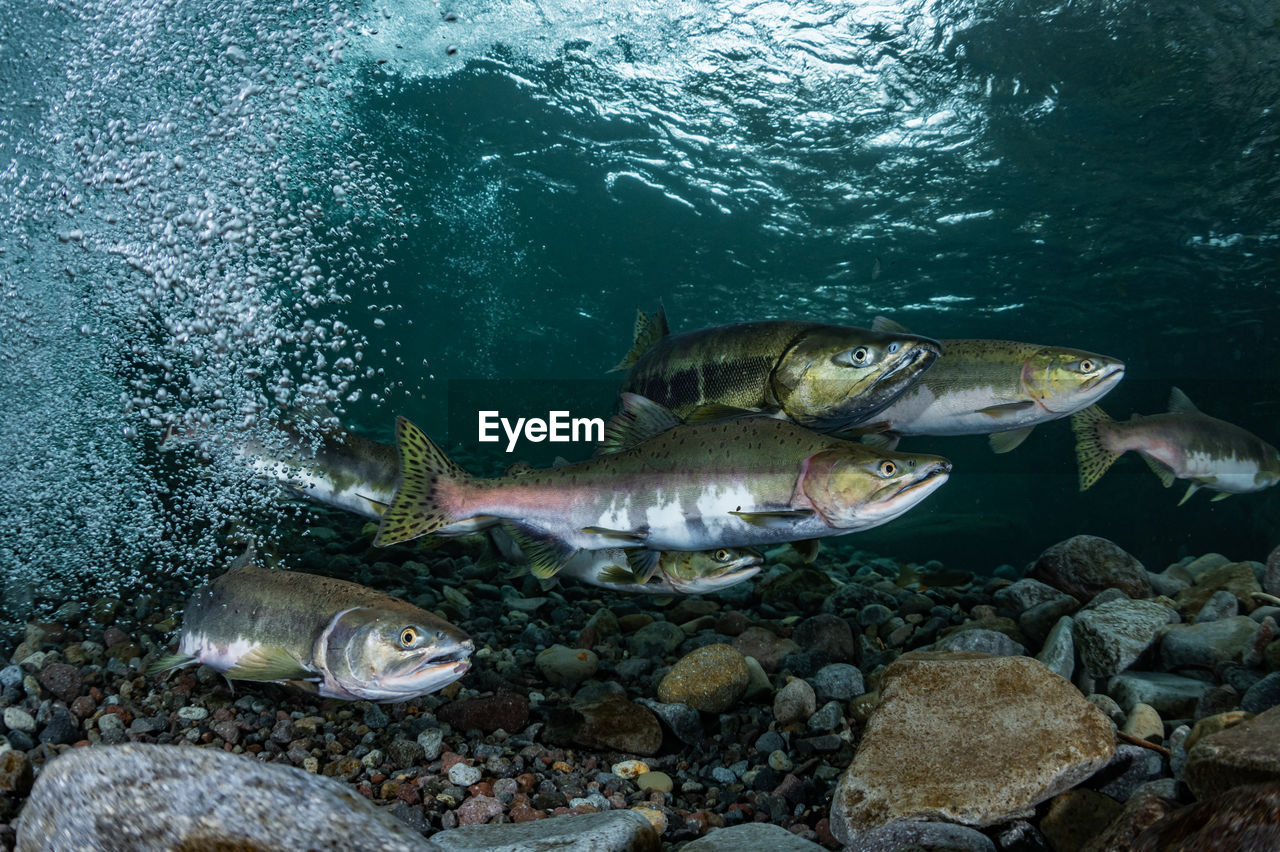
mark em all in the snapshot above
pixel 1004 409
pixel 547 554
pixel 1191 489
pixel 269 664
pixel 625 536
pixel 643 562
pixel 1221 495
pixel 807 548
pixel 1003 442
pixel 616 575
pixel 169 663
pixel 775 520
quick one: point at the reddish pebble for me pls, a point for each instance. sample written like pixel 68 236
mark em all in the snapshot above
pixel 823 829
pixel 525 781
pixel 448 759
pixel 365 790
pixel 523 813
pixel 378 778
pixel 478 810
pixel 481 788
pixel 409 794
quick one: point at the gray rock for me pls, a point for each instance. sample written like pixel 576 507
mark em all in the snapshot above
pixel 1059 651
pixel 1263 695
pixel 1167 584
pixel 752 836
pixel 1036 622
pixel 1206 645
pixel 1026 593
pixel 1172 696
pixel 1110 637
pixel 681 719
pixel 611 831
pixel 983 641
pixel 176 797
pixel 1131 767
pixel 1107 705
pixel 838 681
pixel 827 718
pixel 654 641
pixel 1084 565
pixel 917 834
pixel 432 742
pixel 1221 604
pixel 795 702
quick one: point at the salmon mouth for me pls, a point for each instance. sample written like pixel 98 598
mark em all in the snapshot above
pixel 933 477
pixel 1111 374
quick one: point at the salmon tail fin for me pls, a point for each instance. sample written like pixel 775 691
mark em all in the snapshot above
pixel 169 663
pixel 416 508
pixel 1092 457
pixel 650 328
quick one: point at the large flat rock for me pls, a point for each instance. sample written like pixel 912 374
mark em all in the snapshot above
pixel 149 797
pixel 968 738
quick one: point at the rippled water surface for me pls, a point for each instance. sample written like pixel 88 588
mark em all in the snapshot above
pixel 214 209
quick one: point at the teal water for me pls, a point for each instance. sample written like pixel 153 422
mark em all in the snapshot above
pixel 212 209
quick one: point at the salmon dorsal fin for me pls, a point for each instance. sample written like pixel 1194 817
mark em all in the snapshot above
pixel 888 326
pixel 650 328
pixel 1180 403
pixel 639 420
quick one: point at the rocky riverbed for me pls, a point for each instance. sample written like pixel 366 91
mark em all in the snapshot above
pixel 1081 701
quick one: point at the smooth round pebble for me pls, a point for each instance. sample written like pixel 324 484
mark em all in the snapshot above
pixel 560 664
pixel 192 713
pixel 654 781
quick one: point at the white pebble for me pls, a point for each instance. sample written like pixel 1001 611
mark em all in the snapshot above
pixel 432 742
pixel 463 775
pixel 630 768
pixel 17 719
pixel 192 713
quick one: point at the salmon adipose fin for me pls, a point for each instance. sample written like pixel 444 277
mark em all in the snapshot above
pixel 1093 458
pixel 649 330
pixel 415 510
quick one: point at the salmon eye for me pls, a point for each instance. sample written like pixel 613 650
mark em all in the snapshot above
pixel 888 468
pixel 721 555
pixel 1086 366
pixel 858 357
pixel 408 637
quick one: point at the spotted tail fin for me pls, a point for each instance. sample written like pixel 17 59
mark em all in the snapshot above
pixel 1092 457
pixel 416 509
